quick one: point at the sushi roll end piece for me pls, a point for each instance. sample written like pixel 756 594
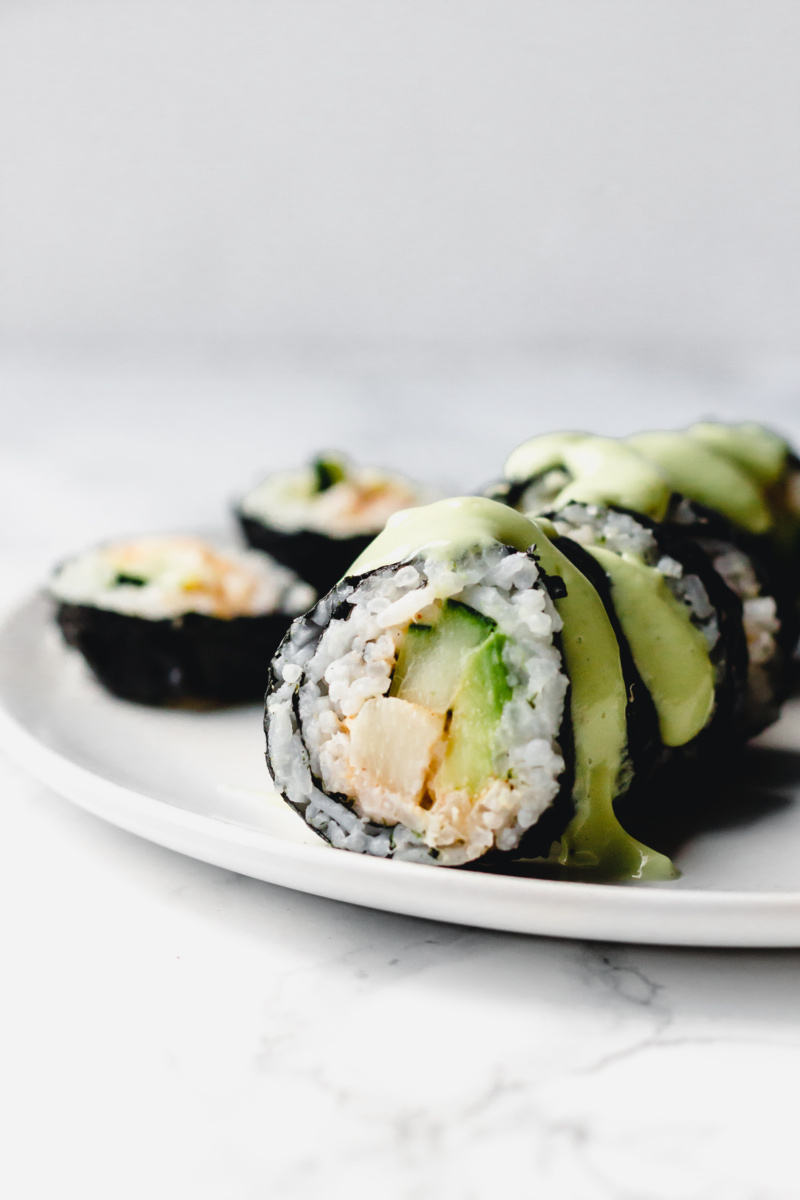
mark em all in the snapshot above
pixel 169 619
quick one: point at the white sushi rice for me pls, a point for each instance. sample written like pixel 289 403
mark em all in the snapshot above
pixel 591 525
pixel 328 670
pixel 180 575
pixel 760 612
pixel 541 492
pixel 360 503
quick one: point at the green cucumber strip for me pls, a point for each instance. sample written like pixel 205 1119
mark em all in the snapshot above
pixel 432 658
pixel 327 472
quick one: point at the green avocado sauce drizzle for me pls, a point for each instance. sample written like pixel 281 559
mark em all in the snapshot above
pixel 594 844
pixel 594 841
pixel 735 470
pixel 758 451
pixel 708 476
pixel 670 653
pixel 602 470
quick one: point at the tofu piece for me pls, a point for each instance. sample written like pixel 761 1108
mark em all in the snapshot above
pixel 392 741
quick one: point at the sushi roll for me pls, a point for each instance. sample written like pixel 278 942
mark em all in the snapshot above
pixel 557 469
pixel 733 492
pixel 318 519
pixel 462 695
pixel 167 619
pixel 746 474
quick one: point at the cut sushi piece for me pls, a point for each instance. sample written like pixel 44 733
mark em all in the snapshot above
pixel 769 604
pixel 706 563
pixel 461 694
pixel 746 474
pixel 557 469
pixel 164 619
pixel 731 491
pixel 318 519
pixel 680 620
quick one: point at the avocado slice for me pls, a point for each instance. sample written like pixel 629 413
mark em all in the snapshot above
pixel 478 706
pixel 455 667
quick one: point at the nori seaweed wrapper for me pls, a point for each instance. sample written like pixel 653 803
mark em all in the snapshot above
pixel 307 628
pixel 164 661
pixel 645 752
pixel 318 559
pixel 729 656
pixel 713 534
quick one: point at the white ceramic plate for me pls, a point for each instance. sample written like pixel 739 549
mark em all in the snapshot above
pixel 196 782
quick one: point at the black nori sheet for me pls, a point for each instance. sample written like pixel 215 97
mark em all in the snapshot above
pixel 511 491
pixel 729 656
pixel 663 814
pixel 322 561
pixel 694 546
pixel 310 628
pixel 708 530
pixel 644 744
pixel 168 661
pixel 507 491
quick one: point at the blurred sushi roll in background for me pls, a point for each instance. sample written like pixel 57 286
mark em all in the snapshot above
pixel 464 695
pixel 318 519
pixel 168 619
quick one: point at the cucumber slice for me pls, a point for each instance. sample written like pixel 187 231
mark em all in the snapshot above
pixel 456 667
pixel 132 580
pixel 469 757
pixel 433 658
pixel 327 472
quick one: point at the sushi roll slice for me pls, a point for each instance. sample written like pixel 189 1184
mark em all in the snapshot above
pixel 461 695
pixel 680 617
pixel 556 469
pixel 318 519
pixel 166 619
pixel 768 600
pixel 746 474
pixel 733 491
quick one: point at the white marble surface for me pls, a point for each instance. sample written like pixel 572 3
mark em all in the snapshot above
pixel 169 1029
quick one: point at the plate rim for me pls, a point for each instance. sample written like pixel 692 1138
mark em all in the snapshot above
pixel 559 908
